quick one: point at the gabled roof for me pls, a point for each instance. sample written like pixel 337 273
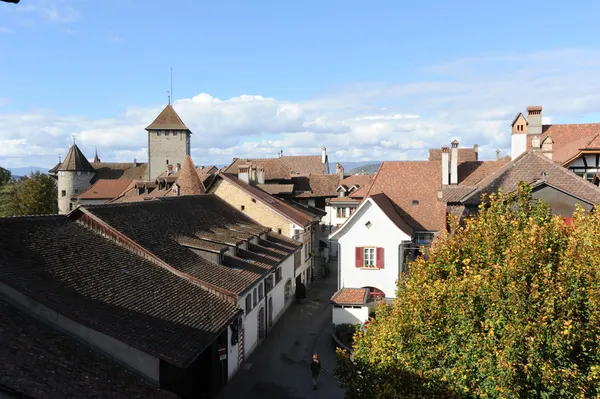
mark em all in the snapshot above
pixel 304 165
pixel 569 139
pixel 277 188
pixel 357 180
pixel 51 363
pixel 121 170
pixel 188 181
pixel 168 120
pixel 318 186
pixel 517 117
pixel 75 161
pixel 282 168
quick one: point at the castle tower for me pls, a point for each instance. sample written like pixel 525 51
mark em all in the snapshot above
pixel 74 176
pixel 168 142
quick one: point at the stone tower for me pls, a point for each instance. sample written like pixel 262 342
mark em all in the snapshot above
pixel 168 142
pixel 74 176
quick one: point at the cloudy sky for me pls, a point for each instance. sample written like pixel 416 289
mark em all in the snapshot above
pixel 376 80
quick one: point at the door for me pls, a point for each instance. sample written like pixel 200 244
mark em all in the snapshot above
pixel 261 323
pixel 270 317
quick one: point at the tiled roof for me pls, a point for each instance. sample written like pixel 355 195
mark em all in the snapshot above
pixel 37 361
pixel 344 200
pixel 361 192
pixel 392 212
pixel 274 168
pixel 413 187
pixel 277 188
pixel 97 283
pixel 188 181
pixel 528 168
pixel 294 215
pixel 75 161
pixel 455 193
pixel 156 225
pixel 304 165
pixel 105 189
pixel 568 139
pixel 55 168
pixel 470 173
pixel 167 120
pixel 320 186
pixel 121 170
pixel 464 154
pixel 357 180
pixel 350 296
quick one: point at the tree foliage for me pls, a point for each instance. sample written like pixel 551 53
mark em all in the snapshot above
pixel 5 176
pixel 507 307
pixel 33 195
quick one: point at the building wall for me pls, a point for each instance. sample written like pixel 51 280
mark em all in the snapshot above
pixel 382 233
pixel 280 305
pixel 256 210
pixel 562 204
pixel 166 145
pixel 350 314
pixel 233 359
pixel 142 362
pixel 72 183
pixel 518 144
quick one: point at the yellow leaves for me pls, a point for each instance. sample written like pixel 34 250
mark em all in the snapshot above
pixel 466 261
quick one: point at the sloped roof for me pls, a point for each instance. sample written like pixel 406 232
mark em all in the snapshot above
pixel 318 186
pixel 105 189
pixel 470 173
pixel 277 188
pixel 274 168
pixel 357 180
pixel 392 212
pixel 568 139
pixel 97 283
pixel 464 154
pixel 75 161
pixel 188 181
pixel 50 363
pixel 168 120
pixel 350 296
pixel 121 170
pixel 304 165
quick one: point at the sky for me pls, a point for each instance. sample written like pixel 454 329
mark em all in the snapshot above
pixel 376 80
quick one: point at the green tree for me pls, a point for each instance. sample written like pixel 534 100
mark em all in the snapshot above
pixel 5 176
pixel 506 307
pixel 34 195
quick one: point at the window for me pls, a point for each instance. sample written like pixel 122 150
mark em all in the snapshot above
pixel 288 289
pixel 297 259
pixel 248 303
pixel 368 224
pixel 76 191
pixel 423 238
pixel 278 231
pixel 368 257
pixel 341 213
pixel 255 296
pixel 243 207
pixel 261 291
pixel 63 193
pixel 278 275
pixel 269 283
pixel 352 210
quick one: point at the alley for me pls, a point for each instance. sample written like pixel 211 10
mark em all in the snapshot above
pixel 279 368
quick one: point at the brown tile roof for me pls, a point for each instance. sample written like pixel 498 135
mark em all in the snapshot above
pixel 274 168
pixel 39 361
pixel 362 191
pixel 568 139
pixel 406 181
pixel 350 296
pixel 304 165
pixel 75 161
pixel 357 180
pixel 105 189
pixel 97 283
pixel 296 216
pixel 277 188
pixel 121 170
pixel 470 173
pixel 344 200
pixel 55 168
pixel 464 154
pixel 392 212
pixel 188 181
pixel 156 225
pixel 167 120
pixel 319 186
pixel 455 193
pixel 528 168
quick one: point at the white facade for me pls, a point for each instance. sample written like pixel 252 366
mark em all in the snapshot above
pixel 71 184
pixel 369 227
pixel 350 314
pixel 307 237
pixel 518 145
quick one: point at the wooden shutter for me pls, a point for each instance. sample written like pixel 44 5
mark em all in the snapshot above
pixel 359 256
pixel 380 258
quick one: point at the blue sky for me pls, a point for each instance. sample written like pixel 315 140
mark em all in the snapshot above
pixel 371 80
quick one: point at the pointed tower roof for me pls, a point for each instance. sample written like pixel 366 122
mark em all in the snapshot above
pixel 96 159
pixel 168 120
pixel 75 161
pixel 188 181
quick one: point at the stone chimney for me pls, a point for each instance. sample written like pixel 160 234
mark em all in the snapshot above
pixel 476 151
pixel 339 170
pixel 260 174
pixel 534 119
pixel 547 146
pixel 323 155
pixel 244 173
pixel 454 163
pixel 445 165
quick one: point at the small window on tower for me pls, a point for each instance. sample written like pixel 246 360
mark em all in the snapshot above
pixel 278 231
pixel 243 207
pixel 63 193
pixel 167 161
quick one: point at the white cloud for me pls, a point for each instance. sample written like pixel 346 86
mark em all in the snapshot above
pixel 472 99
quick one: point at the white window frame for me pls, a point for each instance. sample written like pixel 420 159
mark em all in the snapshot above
pixel 370 254
pixel 341 211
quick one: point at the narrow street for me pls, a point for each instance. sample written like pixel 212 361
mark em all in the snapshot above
pixel 279 368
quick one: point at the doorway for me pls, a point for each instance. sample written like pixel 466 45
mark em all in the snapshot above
pixel 261 323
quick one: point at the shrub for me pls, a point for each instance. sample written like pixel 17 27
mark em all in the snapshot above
pixel 345 333
pixel 507 307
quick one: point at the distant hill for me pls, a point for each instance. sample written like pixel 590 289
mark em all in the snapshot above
pixel 370 169
pixel 355 167
pixel 27 170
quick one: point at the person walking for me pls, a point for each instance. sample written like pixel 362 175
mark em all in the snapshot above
pixel 315 369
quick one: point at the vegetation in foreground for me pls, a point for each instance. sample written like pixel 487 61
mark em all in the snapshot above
pixel 32 195
pixel 507 307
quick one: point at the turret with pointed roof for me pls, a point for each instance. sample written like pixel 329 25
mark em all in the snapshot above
pixel 96 158
pixel 168 142
pixel 75 174
pixel 75 161
pixel 188 181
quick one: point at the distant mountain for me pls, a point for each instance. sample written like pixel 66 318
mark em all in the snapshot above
pixel 27 170
pixel 356 167
pixel 370 169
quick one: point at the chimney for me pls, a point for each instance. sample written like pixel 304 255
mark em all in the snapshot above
pixel 454 163
pixel 476 151
pixel 260 174
pixel 244 173
pixel 323 155
pixel 339 170
pixel 135 161
pixel 547 147
pixel 534 119
pixel 178 167
pixel 169 169
pixel 252 173
pixel 445 165
pixel 497 154
pixel 535 144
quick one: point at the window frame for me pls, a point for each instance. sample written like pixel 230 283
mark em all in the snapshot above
pixel 249 303
pixel 340 212
pixel 254 297
pixel 373 257
pixel 261 291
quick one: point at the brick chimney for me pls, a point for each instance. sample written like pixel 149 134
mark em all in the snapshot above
pixel 454 163
pixel 445 165
pixel 534 119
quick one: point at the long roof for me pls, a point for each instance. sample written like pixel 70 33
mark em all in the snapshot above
pixel 97 283
pixel 75 161
pixel 38 361
pixel 168 119
pixel 569 139
pixel 105 189
pixel 282 168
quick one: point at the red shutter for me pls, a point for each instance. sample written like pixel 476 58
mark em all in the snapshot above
pixel 359 256
pixel 380 258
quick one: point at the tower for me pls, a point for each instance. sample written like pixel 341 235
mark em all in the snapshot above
pixel 74 176
pixel 168 142
pixel 518 141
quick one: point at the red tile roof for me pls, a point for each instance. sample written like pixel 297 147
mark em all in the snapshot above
pixel 319 186
pixel 568 139
pixel 188 181
pixel 167 120
pixel 464 154
pixel 350 296
pixel 282 168
pixel 105 189
pixel 304 165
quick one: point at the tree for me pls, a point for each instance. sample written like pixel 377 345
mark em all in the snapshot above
pixel 5 176
pixel 35 195
pixel 506 307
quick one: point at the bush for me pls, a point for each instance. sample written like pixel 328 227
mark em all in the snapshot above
pixel 507 307
pixel 345 333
